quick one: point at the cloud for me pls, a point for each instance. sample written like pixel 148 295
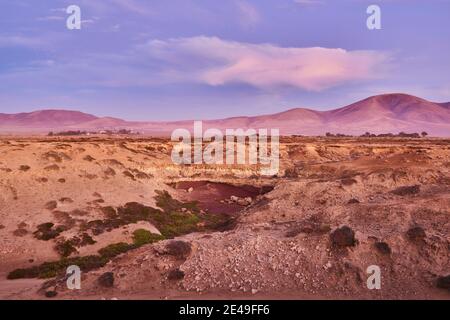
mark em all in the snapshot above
pixel 50 18
pixel 308 2
pixel 249 16
pixel 133 6
pixel 20 41
pixel 218 62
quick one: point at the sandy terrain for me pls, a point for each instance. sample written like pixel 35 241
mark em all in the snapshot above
pixel 247 237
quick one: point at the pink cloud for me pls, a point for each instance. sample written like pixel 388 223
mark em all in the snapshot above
pixel 221 62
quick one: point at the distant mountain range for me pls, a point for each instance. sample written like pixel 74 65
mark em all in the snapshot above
pixel 388 113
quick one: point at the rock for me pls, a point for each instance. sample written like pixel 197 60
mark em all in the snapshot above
pixel 249 200
pixel 243 202
pixel 234 198
pixel 179 249
pixel 383 247
pixel 254 291
pixel 191 189
pixel 175 274
pixel 416 234
pixel 407 190
pixel 343 237
pixel 51 294
pixel 106 280
pixel 443 282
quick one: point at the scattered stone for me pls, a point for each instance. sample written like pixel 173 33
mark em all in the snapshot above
pixel 22 225
pixel 348 181
pixel 51 205
pixel 308 228
pixel 416 234
pixel 106 280
pixel 443 282
pixel 20 232
pixel 53 167
pixel 383 247
pixel 66 200
pixel 175 274
pixel 51 294
pixel 179 249
pixel 88 158
pixel 191 189
pixel 407 190
pixel 343 237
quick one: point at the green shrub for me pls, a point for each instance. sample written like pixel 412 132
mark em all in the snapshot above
pixel 165 201
pixel 46 231
pixel 142 237
pixel 55 268
pixel 65 248
pixel 115 249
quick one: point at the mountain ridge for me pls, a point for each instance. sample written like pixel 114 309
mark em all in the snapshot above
pixel 384 113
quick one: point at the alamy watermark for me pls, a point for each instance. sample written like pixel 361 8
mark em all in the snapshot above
pixel 374 20
pixel 374 279
pixel 73 274
pixel 232 147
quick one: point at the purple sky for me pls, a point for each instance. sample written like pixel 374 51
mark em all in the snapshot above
pixel 187 59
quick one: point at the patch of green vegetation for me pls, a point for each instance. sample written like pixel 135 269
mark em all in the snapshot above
pixel 165 201
pixel 115 249
pixel 172 221
pixel 52 269
pixel 87 263
pixel 109 212
pixel 173 224
pixel 65 248
pixel 142 237
pixel 46 231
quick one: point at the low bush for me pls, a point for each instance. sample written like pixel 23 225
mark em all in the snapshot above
pixel 179 249
pixel 142 237
pixel 55 268
pixel 115 249
pixel 65 248
pixel 46 231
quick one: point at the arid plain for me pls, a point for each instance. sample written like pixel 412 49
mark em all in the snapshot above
pixel 142 227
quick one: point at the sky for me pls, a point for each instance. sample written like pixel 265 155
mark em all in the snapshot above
pixel 205 59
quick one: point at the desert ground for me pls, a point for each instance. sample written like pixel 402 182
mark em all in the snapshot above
pixel 141 227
